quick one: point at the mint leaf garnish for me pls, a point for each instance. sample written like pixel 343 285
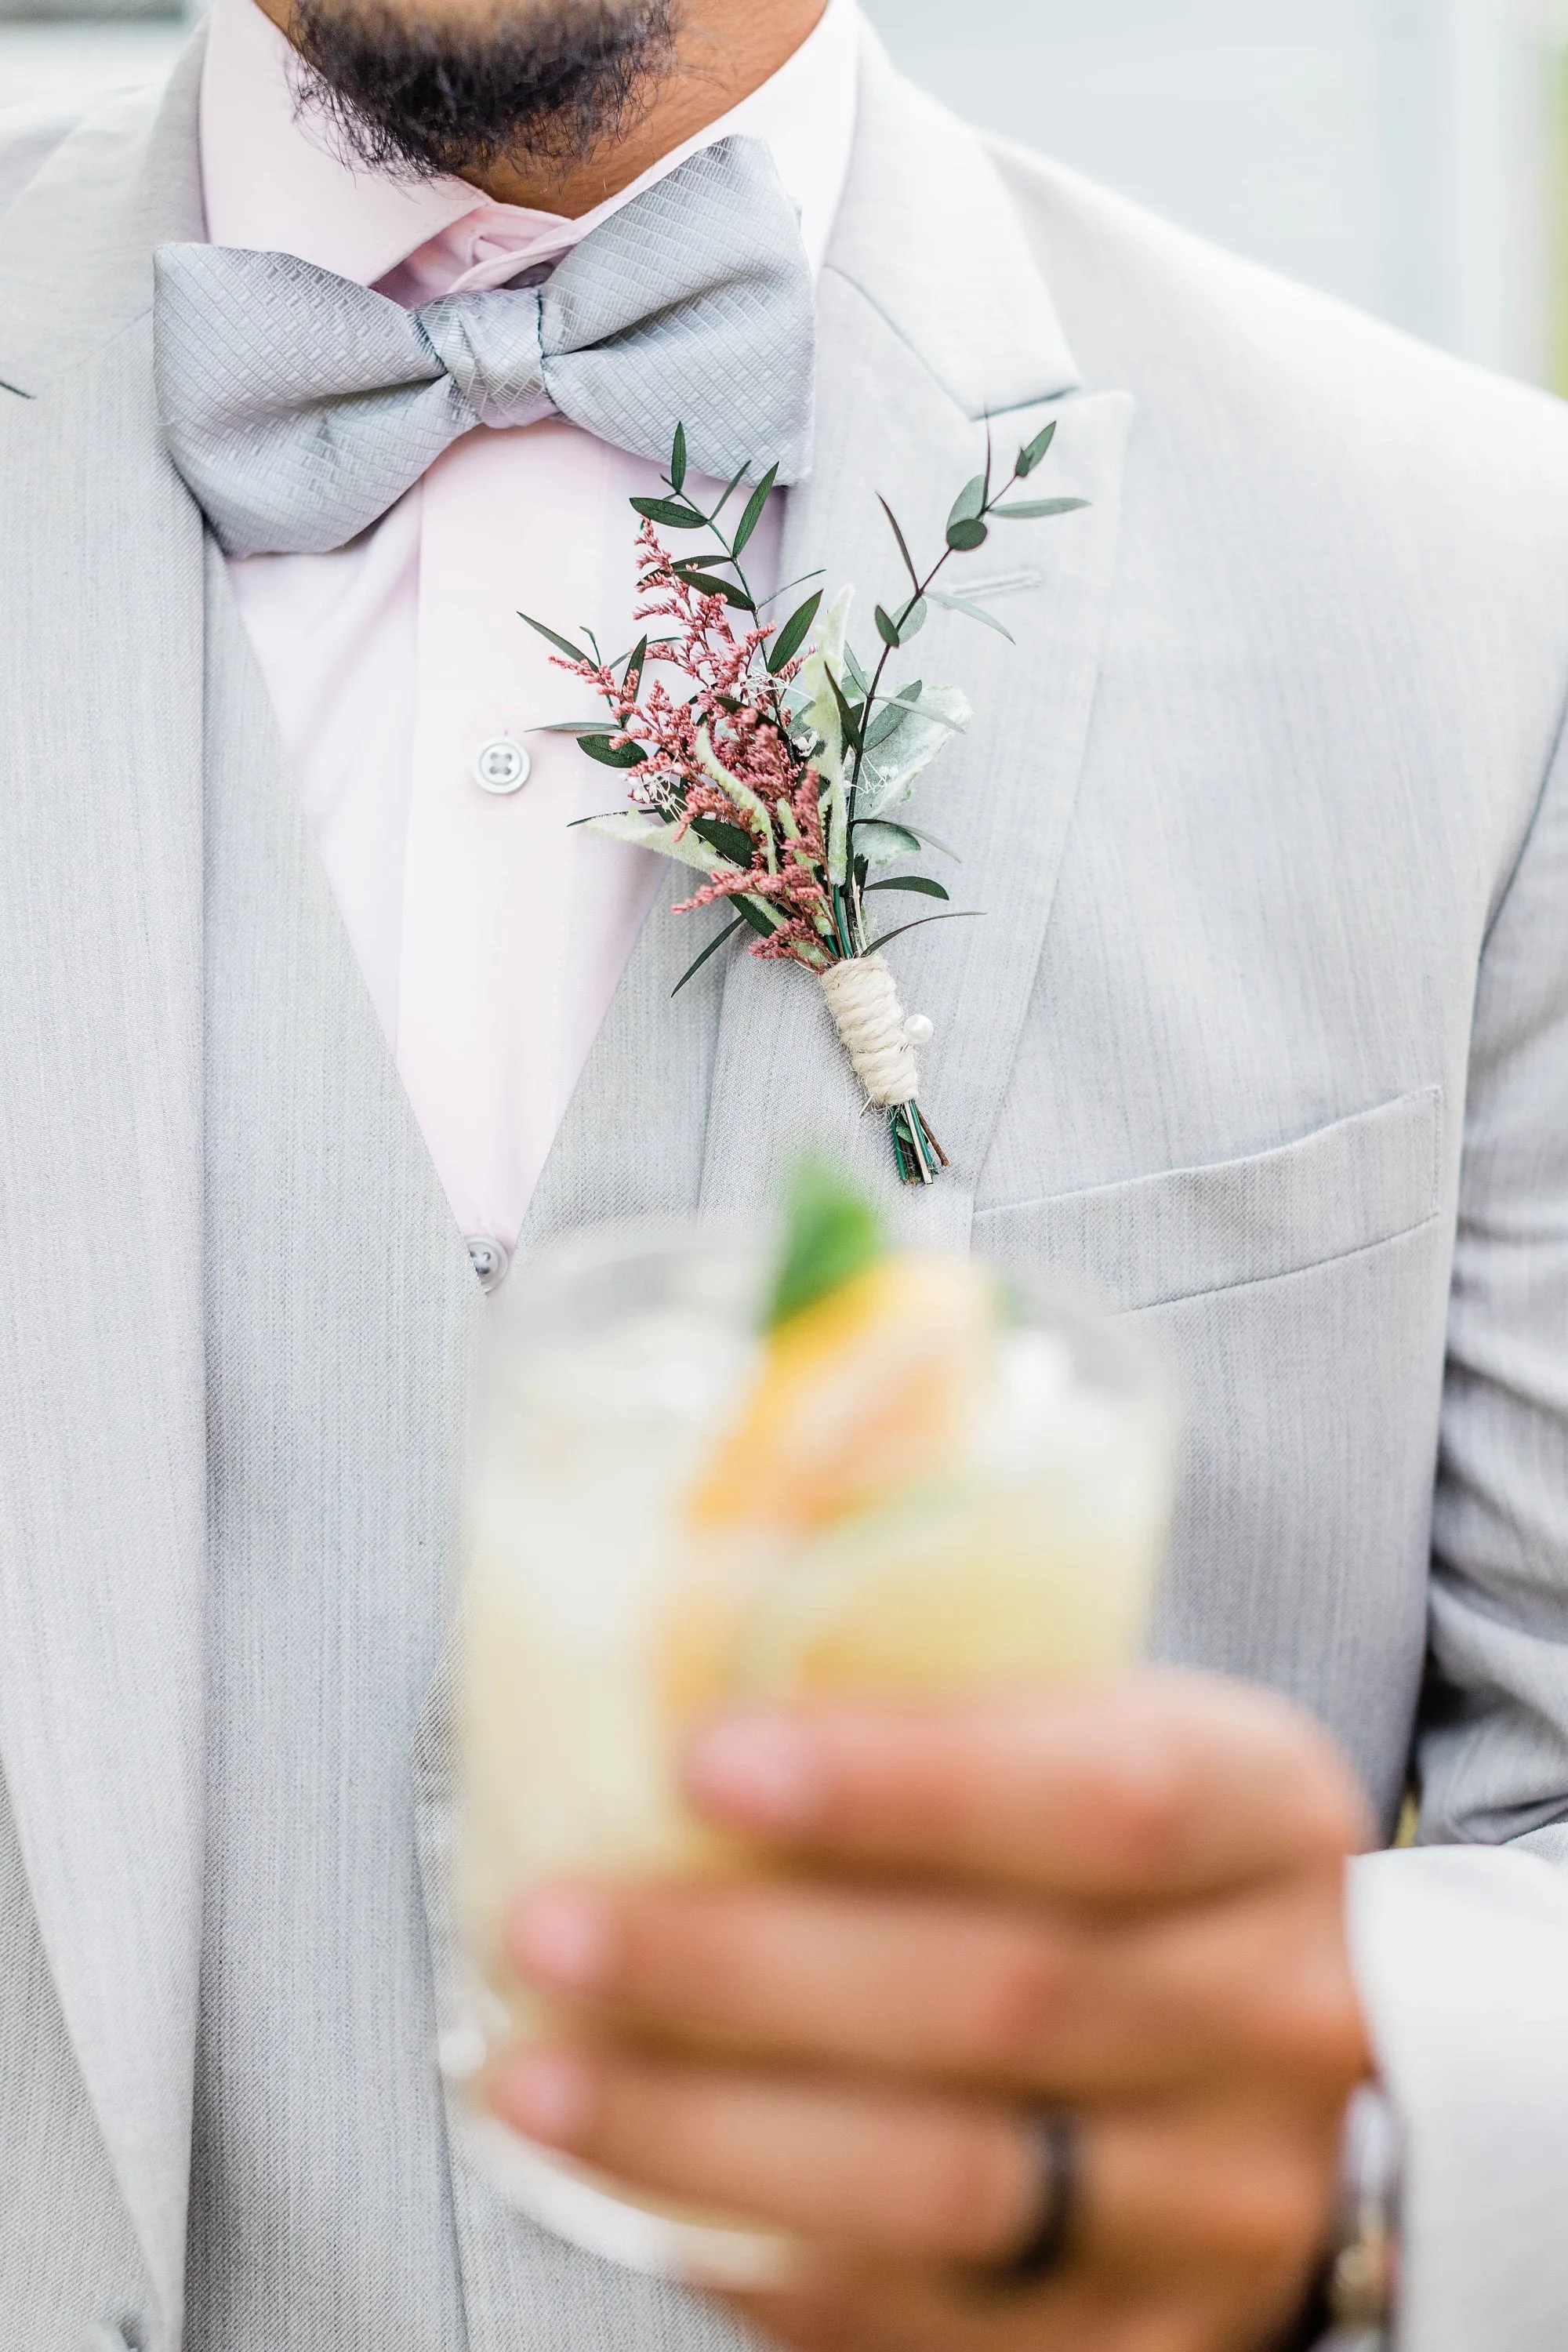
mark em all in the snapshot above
pixel 832 1233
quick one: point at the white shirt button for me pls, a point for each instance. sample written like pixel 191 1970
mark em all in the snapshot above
pixel 501 765
pixel 489 1260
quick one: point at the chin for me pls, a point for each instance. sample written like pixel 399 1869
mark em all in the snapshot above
pixel 439 86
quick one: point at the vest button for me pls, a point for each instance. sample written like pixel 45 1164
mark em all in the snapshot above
pixel 488 1259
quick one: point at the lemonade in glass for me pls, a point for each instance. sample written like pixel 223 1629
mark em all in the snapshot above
pixel 702 1479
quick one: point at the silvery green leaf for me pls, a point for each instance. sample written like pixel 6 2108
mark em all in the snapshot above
pixel 1031 510
pixel 816 678
pixel 1030 454
pixel 879 843
pixel 970 502
pixel 894 714
pixel 860 682
pixel 888 775
pixel 975 612
pixel 650 832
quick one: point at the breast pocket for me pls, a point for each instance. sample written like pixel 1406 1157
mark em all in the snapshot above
pixel 1299 1296
pixel 1153 1239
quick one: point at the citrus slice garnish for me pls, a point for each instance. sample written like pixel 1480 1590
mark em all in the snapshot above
pixel 877 1383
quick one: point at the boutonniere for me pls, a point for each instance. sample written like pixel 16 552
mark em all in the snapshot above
pixel 777 762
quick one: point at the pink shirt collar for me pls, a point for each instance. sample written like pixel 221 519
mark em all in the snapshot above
pixel 271 182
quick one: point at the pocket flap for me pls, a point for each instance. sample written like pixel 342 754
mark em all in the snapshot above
pixel 1154 1238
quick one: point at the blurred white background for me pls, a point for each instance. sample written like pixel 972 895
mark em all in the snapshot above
pixel 1406 154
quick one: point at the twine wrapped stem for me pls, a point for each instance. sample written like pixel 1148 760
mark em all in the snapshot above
pixel 881 1040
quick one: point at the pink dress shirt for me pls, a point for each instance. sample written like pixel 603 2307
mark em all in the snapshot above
pixel 491 936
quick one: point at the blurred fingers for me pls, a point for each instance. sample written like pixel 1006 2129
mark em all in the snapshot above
pixel 1172 2194
pixel 1158 1787
pixel 985 1994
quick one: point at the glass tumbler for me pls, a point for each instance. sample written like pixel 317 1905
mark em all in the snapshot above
pixel 604 1616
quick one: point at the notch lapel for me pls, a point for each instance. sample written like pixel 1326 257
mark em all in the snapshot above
pixel 102 1471
pixel 933 315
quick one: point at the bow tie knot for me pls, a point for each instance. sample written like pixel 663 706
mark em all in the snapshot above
pixel 492 347
pixel 298 406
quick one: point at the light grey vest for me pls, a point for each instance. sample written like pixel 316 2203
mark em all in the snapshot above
pixel 326 2215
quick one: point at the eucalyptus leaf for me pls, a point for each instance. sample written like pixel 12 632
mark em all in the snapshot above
pixel 895 710
pixel 968 505
pixel 964 536
pixel 929 841
pixel 913 619
pixel 887 722
pixel 887 627
pixel 975 612
pixel 1032 509
pixel 904 543
pixel 1033 451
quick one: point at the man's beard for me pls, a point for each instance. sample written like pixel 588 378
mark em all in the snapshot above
pixel 545 86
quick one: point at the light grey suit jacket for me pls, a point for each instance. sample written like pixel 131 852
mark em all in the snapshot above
pixel 1265 1032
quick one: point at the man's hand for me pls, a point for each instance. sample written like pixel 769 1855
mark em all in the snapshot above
pixel 1129 1904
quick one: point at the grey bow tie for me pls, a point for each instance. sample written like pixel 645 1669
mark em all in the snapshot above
pixel 299 407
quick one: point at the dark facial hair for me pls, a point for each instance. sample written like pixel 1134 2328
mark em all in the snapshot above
pixel 423 99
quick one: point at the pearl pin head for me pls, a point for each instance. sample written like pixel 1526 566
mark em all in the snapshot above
pixel 919 1030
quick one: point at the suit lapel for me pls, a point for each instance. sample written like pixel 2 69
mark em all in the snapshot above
pixel 933 314
pixel 102 1474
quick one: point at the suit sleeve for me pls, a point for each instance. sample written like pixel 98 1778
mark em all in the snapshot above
pixel 1462 1946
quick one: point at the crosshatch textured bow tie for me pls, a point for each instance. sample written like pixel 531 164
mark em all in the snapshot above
pixel 298 406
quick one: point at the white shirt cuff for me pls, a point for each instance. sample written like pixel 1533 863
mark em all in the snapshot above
pixel 1461 1954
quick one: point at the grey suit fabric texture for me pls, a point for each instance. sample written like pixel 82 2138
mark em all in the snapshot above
pixel 326 1604
pixel 1265 1033
pixel 298 406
